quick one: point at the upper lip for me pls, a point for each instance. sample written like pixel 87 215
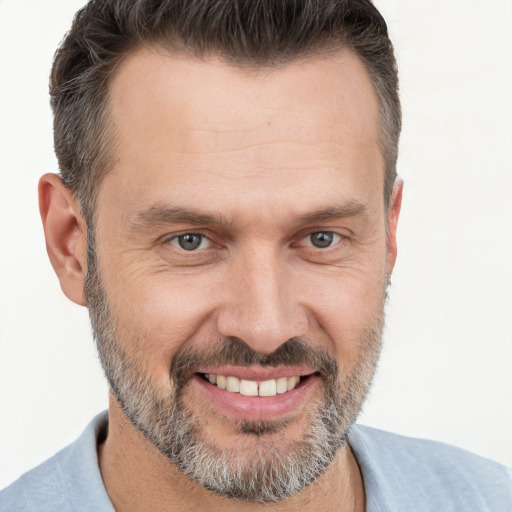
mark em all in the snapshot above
pixel 258 373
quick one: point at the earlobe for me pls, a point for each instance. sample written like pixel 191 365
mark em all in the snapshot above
pixel 66 235
pixel 394 206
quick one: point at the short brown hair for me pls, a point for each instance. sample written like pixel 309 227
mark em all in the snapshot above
pixel 243 32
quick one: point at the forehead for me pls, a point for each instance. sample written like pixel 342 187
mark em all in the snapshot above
pixel 186 124
pixel 155 87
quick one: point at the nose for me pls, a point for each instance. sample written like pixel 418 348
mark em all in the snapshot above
pixel 262 305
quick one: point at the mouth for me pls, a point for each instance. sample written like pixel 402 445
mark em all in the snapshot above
pixel 246 387
pixel 257 395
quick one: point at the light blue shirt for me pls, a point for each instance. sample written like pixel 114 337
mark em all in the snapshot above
pixel 400 474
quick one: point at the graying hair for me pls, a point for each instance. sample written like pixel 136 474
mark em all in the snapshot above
pixel 268 474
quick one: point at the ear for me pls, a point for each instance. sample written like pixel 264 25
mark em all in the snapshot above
pixel 66 235
pixel 394 206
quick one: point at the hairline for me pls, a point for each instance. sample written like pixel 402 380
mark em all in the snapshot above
pixel 108 158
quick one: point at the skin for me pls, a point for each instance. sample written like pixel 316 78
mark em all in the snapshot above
pixel 269 151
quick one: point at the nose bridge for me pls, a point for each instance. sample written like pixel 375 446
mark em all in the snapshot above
pixel 262 307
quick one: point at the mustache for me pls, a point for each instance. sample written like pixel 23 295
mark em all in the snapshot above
pixel 232 351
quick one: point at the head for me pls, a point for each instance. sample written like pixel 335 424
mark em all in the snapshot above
pixel 228 195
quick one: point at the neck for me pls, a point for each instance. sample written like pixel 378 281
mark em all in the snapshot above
pixel 139 478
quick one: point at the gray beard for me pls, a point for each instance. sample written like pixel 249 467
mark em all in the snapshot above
pixel 257 471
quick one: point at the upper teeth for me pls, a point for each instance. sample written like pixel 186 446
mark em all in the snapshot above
pixel 270 387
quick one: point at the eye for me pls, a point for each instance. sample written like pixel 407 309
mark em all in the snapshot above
pixel 190 241
pixel 322 239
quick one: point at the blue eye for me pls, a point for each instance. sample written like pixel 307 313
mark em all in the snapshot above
pixel 323 239
pixel 189 241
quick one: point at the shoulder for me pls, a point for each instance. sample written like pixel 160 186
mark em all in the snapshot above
pixel 70 480
pixel 416 474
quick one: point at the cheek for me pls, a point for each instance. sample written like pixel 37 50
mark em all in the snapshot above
pixel 348 310
pixel 156 315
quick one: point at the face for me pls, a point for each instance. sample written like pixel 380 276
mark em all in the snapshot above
pixel 237 285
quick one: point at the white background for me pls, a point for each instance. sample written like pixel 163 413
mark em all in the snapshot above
pixel 446 369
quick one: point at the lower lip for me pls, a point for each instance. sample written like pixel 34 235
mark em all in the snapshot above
pixel 253 408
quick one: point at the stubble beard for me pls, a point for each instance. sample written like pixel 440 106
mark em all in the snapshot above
pixel 258 470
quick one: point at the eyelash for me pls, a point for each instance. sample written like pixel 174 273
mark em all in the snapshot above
pixel 337 238
pixel 176 238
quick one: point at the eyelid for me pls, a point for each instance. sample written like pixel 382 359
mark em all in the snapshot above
pixel 338 237
pixel 173 240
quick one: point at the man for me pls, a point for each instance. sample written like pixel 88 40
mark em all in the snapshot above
pixel 227 211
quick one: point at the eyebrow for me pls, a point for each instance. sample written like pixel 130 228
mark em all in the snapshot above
pixel 159 215
pixel 350 209
pixel 162 215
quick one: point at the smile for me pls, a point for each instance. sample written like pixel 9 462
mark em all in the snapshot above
pixel 245 387
pixel 256 393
